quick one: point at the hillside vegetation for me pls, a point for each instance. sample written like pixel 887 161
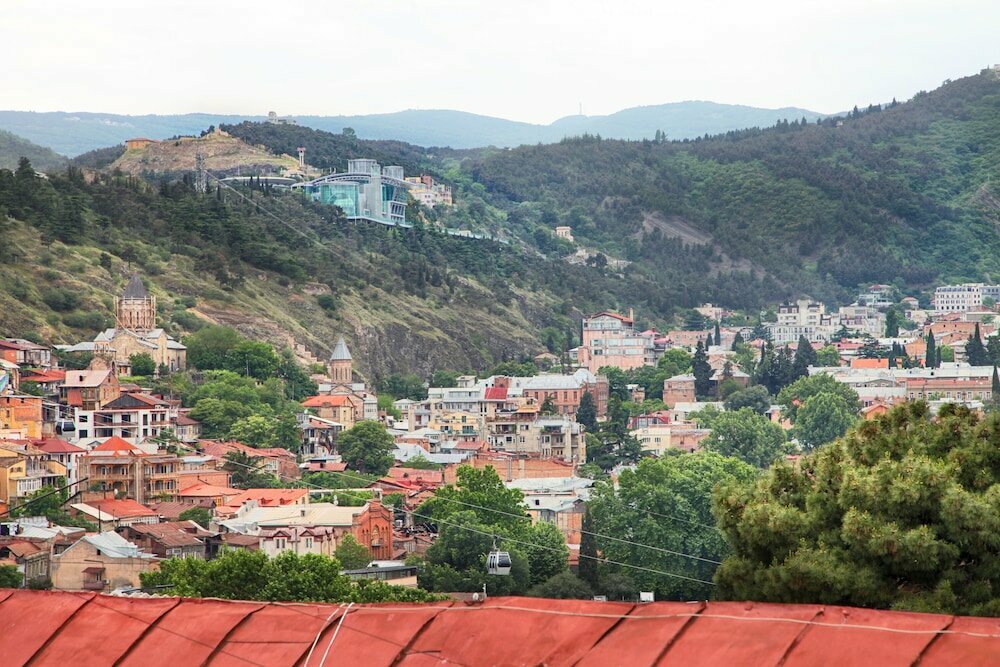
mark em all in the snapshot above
pixel 13 147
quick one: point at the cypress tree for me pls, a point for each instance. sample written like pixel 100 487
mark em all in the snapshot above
pixel 737 341
pixel 702 371
pixel 805 356
pixel 718 334
pixel 931 359
pixel 975 351
pixel 587 567
pixel 995 388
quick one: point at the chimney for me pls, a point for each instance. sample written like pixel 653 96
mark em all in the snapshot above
pixel 631 315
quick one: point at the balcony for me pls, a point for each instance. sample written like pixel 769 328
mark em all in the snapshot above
pixel 98 585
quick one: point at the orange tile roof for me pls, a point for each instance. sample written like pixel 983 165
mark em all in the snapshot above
pixel 335 401
pixel 202 490
pixel 269 497
pixel 60 627
pixel 123 508
pixel 869 363
pixel 116 444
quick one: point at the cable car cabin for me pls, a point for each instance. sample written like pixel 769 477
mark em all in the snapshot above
pixel 65 426
pixel 498 562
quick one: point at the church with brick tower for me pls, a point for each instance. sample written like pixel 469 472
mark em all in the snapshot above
pixel 135 309
pixel 341 364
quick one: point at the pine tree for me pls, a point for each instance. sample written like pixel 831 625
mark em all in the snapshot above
pixel 702 371
pixel 931 359
pixel 586 414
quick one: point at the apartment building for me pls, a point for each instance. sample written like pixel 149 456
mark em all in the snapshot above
pixel 801 318
pixel 610 339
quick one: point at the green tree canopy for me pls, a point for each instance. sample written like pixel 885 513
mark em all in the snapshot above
pixel 903 513
pixel 796 394
pixel 827 356
pixel 822 418
pixel 208 348
pixel 247 472
pixel 675 361
pixel 562 586
pixel 352 554
pixel 367 447
pixel 10 577
pixel 665 503
pixel 756 398
pixel 199 515
pixel 142 364
pixel 586 414
pixel 748 436
pixel 240 574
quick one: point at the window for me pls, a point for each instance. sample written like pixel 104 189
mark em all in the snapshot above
pixel 309 543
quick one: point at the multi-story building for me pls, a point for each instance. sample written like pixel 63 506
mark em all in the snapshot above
pixel 679 389
pixel 22 414
pixel 89 390
pixel 133 416
pixel 543 437
pixel 365 192
pixel 610 339
pixel 118 467
pixel 63 453
pixel 427 192
pixel 101 562
pixel 25 469
pixel 801 318
pixel 958 298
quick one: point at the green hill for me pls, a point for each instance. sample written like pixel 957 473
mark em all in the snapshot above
pixel 908 194
pixel 13 147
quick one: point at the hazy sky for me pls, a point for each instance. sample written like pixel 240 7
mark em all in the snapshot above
pixel 532 61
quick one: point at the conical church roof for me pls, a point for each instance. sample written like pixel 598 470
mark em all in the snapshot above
pixel 135 289
pixel 340 351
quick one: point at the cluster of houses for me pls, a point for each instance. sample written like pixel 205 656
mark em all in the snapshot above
pixel 132 462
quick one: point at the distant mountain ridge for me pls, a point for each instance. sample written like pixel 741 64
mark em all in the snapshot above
pixel 73 133
pixel 13 148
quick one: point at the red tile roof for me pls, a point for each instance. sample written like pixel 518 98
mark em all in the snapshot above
pixel 43 376
pixel 124 508
pixel 496 393
pixel 55 627
pixel 269 497
pixel 202 490
pixel 116 444
pixel 57 446
pixel 326 401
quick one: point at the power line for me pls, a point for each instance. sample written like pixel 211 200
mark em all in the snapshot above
pixel 43 496
pixel 585 532
pixel 548 548
pixel 532 544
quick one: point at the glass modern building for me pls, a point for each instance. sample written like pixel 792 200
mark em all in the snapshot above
pixel 365 191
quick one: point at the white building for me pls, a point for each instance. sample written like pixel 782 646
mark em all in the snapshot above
pixel 958 298
pixel 801 318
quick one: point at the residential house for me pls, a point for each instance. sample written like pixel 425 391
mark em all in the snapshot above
pixel 29 556
pixel 25 469
pixel 370 524
pixel 64 453
pixel 218 495
pixel 610 339
pixel 103 562
pixel 320 540
pixel 21 413
pixel 132 416
pixel 115 512
pixel 273 460
pixel 186 429
pixel 117 466
pixel 679 389
pixel 169 539
pixel 263 498
pixel 344 409
pixel 89 390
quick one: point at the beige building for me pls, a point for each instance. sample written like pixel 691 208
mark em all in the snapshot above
pixel 24 470
pixel 102 562
pixel 658 438
pixel 135 332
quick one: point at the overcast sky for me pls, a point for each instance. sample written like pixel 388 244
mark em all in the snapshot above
pixel 532 61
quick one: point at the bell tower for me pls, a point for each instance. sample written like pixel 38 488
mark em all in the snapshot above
pixel 341 364
pixel 135 309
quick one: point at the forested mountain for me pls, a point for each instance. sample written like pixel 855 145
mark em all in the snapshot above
pixel 13 147
pixel 75 133
pixel 907 194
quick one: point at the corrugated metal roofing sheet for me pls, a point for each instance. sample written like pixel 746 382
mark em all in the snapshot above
pixel 89 629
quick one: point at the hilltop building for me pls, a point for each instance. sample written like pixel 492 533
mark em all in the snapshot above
pixel 804 317
pixel 365 192
pixel 427 192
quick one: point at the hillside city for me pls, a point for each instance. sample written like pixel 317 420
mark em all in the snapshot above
pixel 416 368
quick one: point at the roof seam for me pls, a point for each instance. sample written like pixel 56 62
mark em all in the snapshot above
pixel 222 641
pixel 58 631
pixel 408 647
pixel 142 635
pixel 927 647
pixel 680 632
pixel 798 638
pixel 607 632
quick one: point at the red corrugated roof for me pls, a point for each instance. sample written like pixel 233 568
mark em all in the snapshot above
pixel 55 445
pixel 116 444
pixel 124 508
pixel 74 628
pixel 496 393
